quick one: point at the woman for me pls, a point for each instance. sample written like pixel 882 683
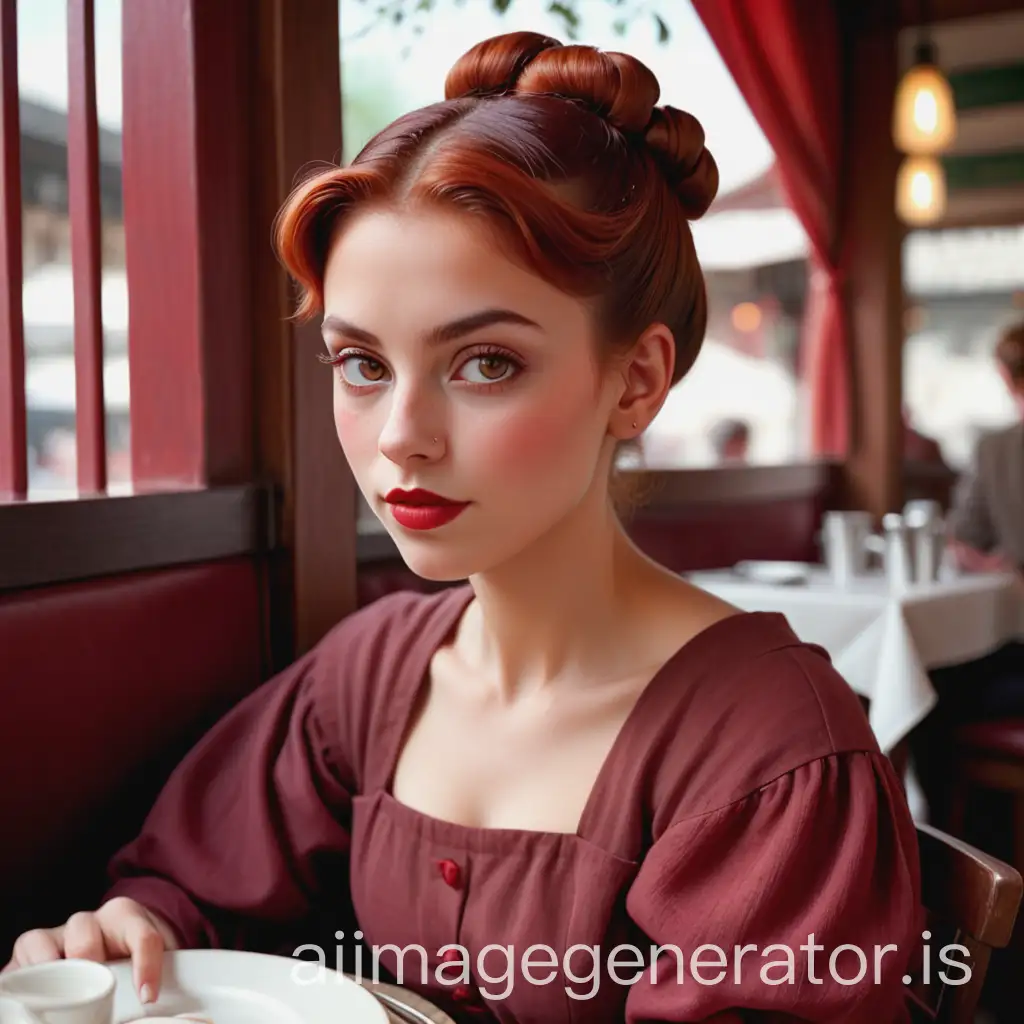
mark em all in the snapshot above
pixel 582 788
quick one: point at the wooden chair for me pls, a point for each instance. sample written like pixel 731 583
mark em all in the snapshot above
pixel 971 899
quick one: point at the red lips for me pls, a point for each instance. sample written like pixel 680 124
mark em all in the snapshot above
pixel 419 509
pixel 417 496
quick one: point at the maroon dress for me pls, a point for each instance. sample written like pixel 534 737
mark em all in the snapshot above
pixel 743 808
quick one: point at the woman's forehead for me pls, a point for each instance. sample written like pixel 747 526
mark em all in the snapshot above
pixel 387 264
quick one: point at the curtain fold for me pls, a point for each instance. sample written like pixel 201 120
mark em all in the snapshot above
pixel 785 58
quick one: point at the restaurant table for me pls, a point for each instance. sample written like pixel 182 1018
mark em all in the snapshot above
pixel 883 641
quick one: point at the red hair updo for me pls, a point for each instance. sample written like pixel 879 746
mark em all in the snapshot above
pixel 564 151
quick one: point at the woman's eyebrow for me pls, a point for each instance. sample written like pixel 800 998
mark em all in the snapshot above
pixel 442 334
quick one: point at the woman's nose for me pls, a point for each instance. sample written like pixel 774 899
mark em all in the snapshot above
pixel 411 431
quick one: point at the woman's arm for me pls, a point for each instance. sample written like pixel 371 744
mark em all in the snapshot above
pixel 760 895
pixel 973 534
pixel 256 816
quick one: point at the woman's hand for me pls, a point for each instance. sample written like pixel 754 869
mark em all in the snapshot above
pixel 969 559
pixel 120 928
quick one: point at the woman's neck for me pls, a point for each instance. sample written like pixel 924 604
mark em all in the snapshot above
pixel 559 611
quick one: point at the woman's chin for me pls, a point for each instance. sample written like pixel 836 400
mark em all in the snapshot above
pixel 447 562
pixel 438 565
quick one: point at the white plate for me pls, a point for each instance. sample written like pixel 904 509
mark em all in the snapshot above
pixel 231 987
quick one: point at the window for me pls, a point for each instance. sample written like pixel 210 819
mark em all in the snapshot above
pixel 48 295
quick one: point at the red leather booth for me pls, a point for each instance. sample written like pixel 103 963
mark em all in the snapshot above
pixel 104 685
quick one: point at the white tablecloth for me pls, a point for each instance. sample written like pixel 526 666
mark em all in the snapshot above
pixel 882 642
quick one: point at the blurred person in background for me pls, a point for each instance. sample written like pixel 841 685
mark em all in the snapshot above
pixel 987 531
pixel 918 447
pixel 987 514
pixel 730 440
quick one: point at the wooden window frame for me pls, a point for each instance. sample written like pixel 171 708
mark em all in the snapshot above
pixel 231 421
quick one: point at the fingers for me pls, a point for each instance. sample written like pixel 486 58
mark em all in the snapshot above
pixel 146 946
pixel 37 947
pixel 83 938
pixel 120 928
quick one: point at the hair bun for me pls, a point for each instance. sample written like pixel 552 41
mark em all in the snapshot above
pixel 616 86
pixel 677 138
pixel 494 65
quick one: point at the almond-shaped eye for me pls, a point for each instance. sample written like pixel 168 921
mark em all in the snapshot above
pixel 361 371
pixel 492 368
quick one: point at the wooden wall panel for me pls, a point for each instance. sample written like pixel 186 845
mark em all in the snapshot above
pixel 298 88
pixel 873 237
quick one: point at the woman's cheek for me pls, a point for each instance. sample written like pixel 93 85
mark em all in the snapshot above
pixel 529 442
pixel 347 422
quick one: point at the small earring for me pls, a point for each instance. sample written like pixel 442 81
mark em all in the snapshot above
pixel 634 424
pixel 435 440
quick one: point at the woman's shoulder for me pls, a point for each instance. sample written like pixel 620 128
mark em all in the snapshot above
pixel 750 669
pixel 395 625
pixel 742 704
pixel 371 662
pixel 999 441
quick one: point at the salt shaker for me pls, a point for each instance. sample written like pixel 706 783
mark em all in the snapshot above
pixel 898 556
pixel 927 537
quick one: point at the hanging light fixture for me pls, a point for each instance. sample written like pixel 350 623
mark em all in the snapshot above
pixel 924 118
pixel 920 191
pixel 923 126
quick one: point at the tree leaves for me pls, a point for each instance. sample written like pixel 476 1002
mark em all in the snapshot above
pixel 395 12
pixel 566 12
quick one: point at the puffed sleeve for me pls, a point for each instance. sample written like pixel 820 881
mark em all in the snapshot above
pixel 823 857
pixel 252 828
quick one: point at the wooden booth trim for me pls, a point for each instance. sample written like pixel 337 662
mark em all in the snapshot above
pixel 669 490
pixel 61 541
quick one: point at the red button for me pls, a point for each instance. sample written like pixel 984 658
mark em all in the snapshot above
pixel 449 955
pixel 462 993
pixel 451 873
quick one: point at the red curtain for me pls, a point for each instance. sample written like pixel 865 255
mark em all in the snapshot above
pixel 785 58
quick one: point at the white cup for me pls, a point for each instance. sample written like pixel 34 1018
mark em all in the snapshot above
pixel 58 992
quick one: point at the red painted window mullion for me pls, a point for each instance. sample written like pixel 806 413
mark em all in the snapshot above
pixel 13 449
pixel 86 248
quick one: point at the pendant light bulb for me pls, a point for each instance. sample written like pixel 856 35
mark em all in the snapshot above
pixel 920 191
pixel 924 117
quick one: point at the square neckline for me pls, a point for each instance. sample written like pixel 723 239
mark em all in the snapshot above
pixel 451 608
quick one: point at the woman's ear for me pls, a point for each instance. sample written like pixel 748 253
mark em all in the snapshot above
pixel 646 372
